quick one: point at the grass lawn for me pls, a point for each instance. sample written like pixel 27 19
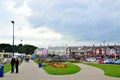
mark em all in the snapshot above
pixel 7 67
pixel 109 69
pixel 70 69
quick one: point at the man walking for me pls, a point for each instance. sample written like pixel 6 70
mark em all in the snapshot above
pixel 12 64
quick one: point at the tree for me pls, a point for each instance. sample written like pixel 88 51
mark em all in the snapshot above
pixel 6 47
pixel 21 48
pixel 28 49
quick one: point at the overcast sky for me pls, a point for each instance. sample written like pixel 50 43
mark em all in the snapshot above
pixel 60 22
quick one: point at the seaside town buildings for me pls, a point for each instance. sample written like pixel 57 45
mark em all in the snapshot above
pixel 86 51
pixel 112 51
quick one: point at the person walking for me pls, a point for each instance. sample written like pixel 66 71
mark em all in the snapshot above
pixel 12 64
pixel 16 64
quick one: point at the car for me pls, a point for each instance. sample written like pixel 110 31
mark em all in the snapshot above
pixel 101 61
pixel 116 61
pixel 91 59
pixel 108 61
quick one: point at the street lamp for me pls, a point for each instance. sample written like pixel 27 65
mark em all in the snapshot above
pixel 21 41
pixel 13 38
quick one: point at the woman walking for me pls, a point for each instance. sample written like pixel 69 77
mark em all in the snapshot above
pixel 16 64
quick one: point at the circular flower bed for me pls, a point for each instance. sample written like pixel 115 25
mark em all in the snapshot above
pixel 58 65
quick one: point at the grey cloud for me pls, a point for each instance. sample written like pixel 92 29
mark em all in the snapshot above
pixel 86 20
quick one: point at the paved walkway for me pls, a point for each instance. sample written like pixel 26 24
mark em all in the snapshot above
pixel 30 71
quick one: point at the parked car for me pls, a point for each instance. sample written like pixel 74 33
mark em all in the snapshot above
pixel 116 61
pixel 101 61
pixel 108 61
pixel 91 59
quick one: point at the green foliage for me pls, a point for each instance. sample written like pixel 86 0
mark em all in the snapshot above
pixel 28 49
pixel 70 69
pixel 51 55
pixel 109 69
pixel 21 48
pixel 36 60
pixel 6 47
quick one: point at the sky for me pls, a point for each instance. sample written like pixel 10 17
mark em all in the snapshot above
pixel 46 23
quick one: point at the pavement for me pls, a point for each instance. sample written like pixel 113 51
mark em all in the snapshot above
pixel 31 71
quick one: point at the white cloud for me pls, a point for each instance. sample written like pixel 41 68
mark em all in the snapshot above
pixel 60 22
pixel 39 33
pixel 22 10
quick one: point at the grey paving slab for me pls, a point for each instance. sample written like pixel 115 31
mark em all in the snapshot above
pixel 31 71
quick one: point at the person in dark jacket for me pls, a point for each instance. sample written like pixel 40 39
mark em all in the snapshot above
pixel 12 64
pixel 16 64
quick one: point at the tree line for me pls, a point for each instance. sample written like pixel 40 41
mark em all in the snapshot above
pixel 27 49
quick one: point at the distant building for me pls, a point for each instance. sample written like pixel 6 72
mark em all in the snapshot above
pixel 118 50
pixel 75 51
pixel 41 51
pixel 82 51
pixel 57 50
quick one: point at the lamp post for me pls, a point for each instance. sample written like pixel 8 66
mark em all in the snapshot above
pixel 21 41
pixel 13 38
pixel 21 51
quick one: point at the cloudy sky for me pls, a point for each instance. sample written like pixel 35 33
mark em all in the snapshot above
pixel 60 22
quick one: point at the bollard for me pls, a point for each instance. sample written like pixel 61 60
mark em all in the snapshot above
pixel 40 64
pixel 1 70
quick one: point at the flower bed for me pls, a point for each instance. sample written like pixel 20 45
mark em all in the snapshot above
pixel 69 69
pixel 58 65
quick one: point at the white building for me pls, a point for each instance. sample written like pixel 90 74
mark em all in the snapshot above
pixel 57 50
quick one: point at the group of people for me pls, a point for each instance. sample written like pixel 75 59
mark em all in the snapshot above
pixel 14 63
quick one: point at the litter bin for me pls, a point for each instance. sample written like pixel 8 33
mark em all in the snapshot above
pixel 40 64
pixel 1 70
